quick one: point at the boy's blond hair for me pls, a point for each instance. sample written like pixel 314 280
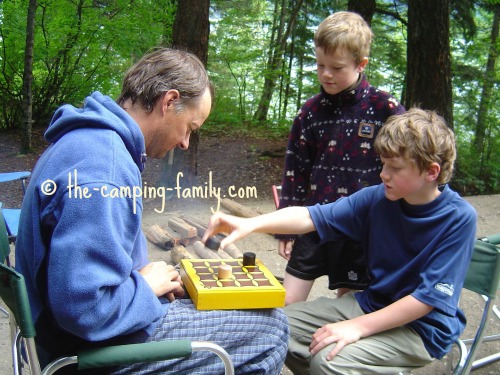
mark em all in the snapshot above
pixel 421 136
pixel 344 30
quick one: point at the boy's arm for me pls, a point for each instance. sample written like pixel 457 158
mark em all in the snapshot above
pixel 397 314
pixel 290 220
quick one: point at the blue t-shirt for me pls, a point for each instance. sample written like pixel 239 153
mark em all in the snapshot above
pixel 423 251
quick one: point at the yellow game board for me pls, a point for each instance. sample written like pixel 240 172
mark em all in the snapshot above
pixel 249 287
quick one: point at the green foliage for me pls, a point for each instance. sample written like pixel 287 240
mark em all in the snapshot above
pixel 80 47
pixel 87 45
pixel 239 43
pixel 387 66
pixel 245 129
pixel 239 30
pixel 478 174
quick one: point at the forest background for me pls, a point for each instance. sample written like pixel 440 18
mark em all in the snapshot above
pixel 439 54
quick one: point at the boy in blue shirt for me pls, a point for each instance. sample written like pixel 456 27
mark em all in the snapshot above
pixel 418 236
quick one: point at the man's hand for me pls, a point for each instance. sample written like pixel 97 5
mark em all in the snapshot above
pixel 341 333
pixel 163 279
pixel 285 248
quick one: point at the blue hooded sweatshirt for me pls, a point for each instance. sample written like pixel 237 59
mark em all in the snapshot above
pixel 79 248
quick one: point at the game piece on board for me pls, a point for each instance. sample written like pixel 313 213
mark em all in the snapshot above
pixel 225 271
pixel 248 259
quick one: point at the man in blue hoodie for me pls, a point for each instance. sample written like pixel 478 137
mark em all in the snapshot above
pixel 83 253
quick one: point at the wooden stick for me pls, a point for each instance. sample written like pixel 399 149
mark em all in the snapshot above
pixel 223 254
pixel 238 209
pixel 233 251
pixel 159 237
pixel 204 252
pixel 178 253
pixel 200 229
pixel 175 236
pixel 183 228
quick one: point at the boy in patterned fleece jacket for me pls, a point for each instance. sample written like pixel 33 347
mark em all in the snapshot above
pixel 330 153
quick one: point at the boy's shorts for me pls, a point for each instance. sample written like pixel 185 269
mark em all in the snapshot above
pixel 343 261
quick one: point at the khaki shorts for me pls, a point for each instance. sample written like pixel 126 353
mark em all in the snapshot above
pixel 387 352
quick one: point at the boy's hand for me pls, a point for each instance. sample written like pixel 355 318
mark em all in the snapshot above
pixel 341 333
pixel 285 248
pixel 235 227
pixel 397 314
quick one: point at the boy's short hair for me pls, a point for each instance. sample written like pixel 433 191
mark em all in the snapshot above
pixel 345 30
pixel 421 136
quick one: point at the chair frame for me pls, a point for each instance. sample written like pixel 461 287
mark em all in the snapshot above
pixel 14 176
pixel 11 215
pixel 14 293
pixel 485 283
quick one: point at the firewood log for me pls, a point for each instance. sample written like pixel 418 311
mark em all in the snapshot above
pixel 159 237
pixel 238 209
pixel 200 229
pixel 233 251
pixel 204 252
pixel 180 252
pixel 181 227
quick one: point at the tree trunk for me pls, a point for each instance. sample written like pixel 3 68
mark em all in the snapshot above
pixel 190 32
pixel 277 48
pixel 428 57
pixel 28 79
pixel 485 103
pixel 191 27
pixel 365 8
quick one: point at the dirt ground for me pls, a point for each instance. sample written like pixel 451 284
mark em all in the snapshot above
pixel 249 165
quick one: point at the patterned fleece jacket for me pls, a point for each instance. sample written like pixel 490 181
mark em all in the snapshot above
pixel 330 147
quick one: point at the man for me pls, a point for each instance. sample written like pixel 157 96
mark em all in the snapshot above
pixel 83 253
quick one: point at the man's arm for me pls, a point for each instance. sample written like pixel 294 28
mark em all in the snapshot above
pixel 343 333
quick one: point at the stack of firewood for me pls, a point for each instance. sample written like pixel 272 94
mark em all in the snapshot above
pixel 182 238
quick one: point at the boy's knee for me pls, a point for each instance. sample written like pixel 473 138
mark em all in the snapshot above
pixel 338 365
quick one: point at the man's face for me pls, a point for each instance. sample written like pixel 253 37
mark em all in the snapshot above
pixel 337 71
pixel 176 127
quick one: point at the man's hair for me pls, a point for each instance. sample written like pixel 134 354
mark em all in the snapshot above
pixel 344 30
pixel 421 136
pixel 162 70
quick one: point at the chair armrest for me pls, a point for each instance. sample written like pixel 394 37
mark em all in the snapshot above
pixel 13 176
pixel 133 353
pixel 494 239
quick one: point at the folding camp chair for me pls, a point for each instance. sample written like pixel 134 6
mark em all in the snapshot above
pixel 276 195
pixel 13 292
pixel 11 215
pixel 482 277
